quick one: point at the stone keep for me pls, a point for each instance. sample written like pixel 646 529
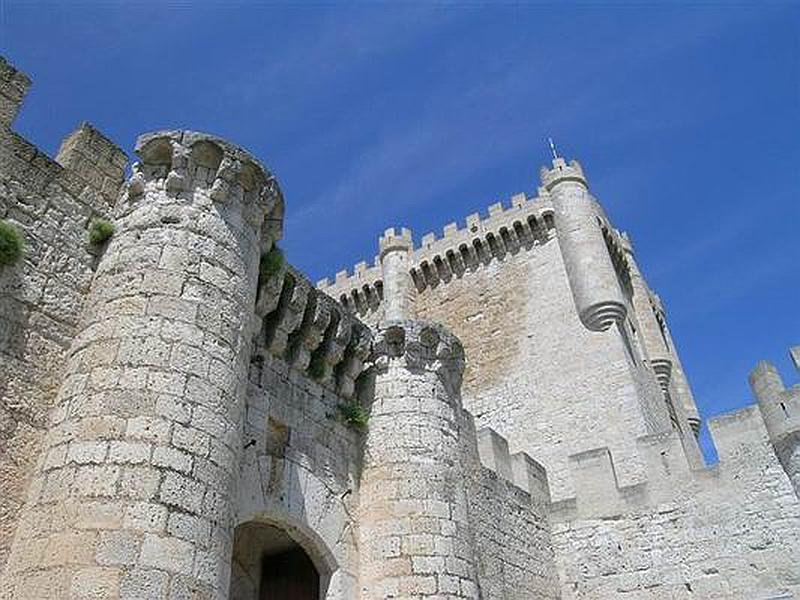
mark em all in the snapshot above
pixel 497 412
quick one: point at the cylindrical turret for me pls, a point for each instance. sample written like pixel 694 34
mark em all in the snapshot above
pixel 398 286
pixel 133 496
pixel 655 346
pixel 413 524
pixel 780 409
pixel 594 283
pixel 681 390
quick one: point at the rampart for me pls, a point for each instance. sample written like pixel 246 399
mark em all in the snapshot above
pixel 728 531
pixel 51 203
pixel 509 508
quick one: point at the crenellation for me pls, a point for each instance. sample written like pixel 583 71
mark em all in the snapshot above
pixel 14 85
pixel 337 337
pixel 481 240
pixel 317 317
pixel 302 325
pixel 531 476
pixel 95 158
pixel 780 410
pixel 518 469
pixel 493 452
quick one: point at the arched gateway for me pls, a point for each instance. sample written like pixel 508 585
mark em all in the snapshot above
pixel 269 564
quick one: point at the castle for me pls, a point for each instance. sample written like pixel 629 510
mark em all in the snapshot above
pixel 499 412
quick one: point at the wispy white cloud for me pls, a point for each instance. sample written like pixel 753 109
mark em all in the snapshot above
pixel 473 125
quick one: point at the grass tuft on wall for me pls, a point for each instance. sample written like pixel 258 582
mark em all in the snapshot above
pixel 100 230
pixel 12 244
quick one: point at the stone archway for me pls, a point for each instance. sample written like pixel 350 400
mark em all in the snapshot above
pixel 269 564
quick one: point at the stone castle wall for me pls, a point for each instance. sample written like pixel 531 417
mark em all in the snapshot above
pixel 51 202
pixel 534 372
pixel 299 470
pixel 731 531
pixel 509 510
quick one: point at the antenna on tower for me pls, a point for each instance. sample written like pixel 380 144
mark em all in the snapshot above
pixel 553 148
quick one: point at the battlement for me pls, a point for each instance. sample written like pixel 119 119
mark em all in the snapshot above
pixel 87 160
pixel 519 468
pixel 523 223
pixel 562 172
pixel 779 405
pixel 668 475
pixel 14 85
pixel 394 240
pixel 420 345
pixel 90 154
pixel 597 488
pixel 188 162
pixel 310 331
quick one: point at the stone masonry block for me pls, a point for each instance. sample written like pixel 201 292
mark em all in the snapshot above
pixel 182 492
pixel 167 553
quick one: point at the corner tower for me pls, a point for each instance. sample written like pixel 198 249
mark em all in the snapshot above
pixel 780 408
pixel 133 493
pixel 592 279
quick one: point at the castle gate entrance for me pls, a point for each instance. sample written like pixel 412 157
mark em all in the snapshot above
pixel 269 565
pixel 289 575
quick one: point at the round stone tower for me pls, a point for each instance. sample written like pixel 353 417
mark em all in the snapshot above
pixel 398 287
pixel 655 344
pixel 592 279
pixel 414 529
pixel 415 538
pixel 780 409
pixel 133 493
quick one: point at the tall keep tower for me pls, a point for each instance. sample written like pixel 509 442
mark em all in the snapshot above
pixel 134 492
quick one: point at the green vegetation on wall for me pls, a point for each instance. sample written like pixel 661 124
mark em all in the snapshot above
pixel 99 231
pixel 12 244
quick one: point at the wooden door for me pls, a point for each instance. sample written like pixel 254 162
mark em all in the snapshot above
pixel 289 576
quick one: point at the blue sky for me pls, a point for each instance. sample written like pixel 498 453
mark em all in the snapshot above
pixel 685 117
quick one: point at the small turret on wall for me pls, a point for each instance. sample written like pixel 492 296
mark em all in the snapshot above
pixel 414 524
pixel 592 279
pixel 654 344
pixel 395 257
pixel 780 408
